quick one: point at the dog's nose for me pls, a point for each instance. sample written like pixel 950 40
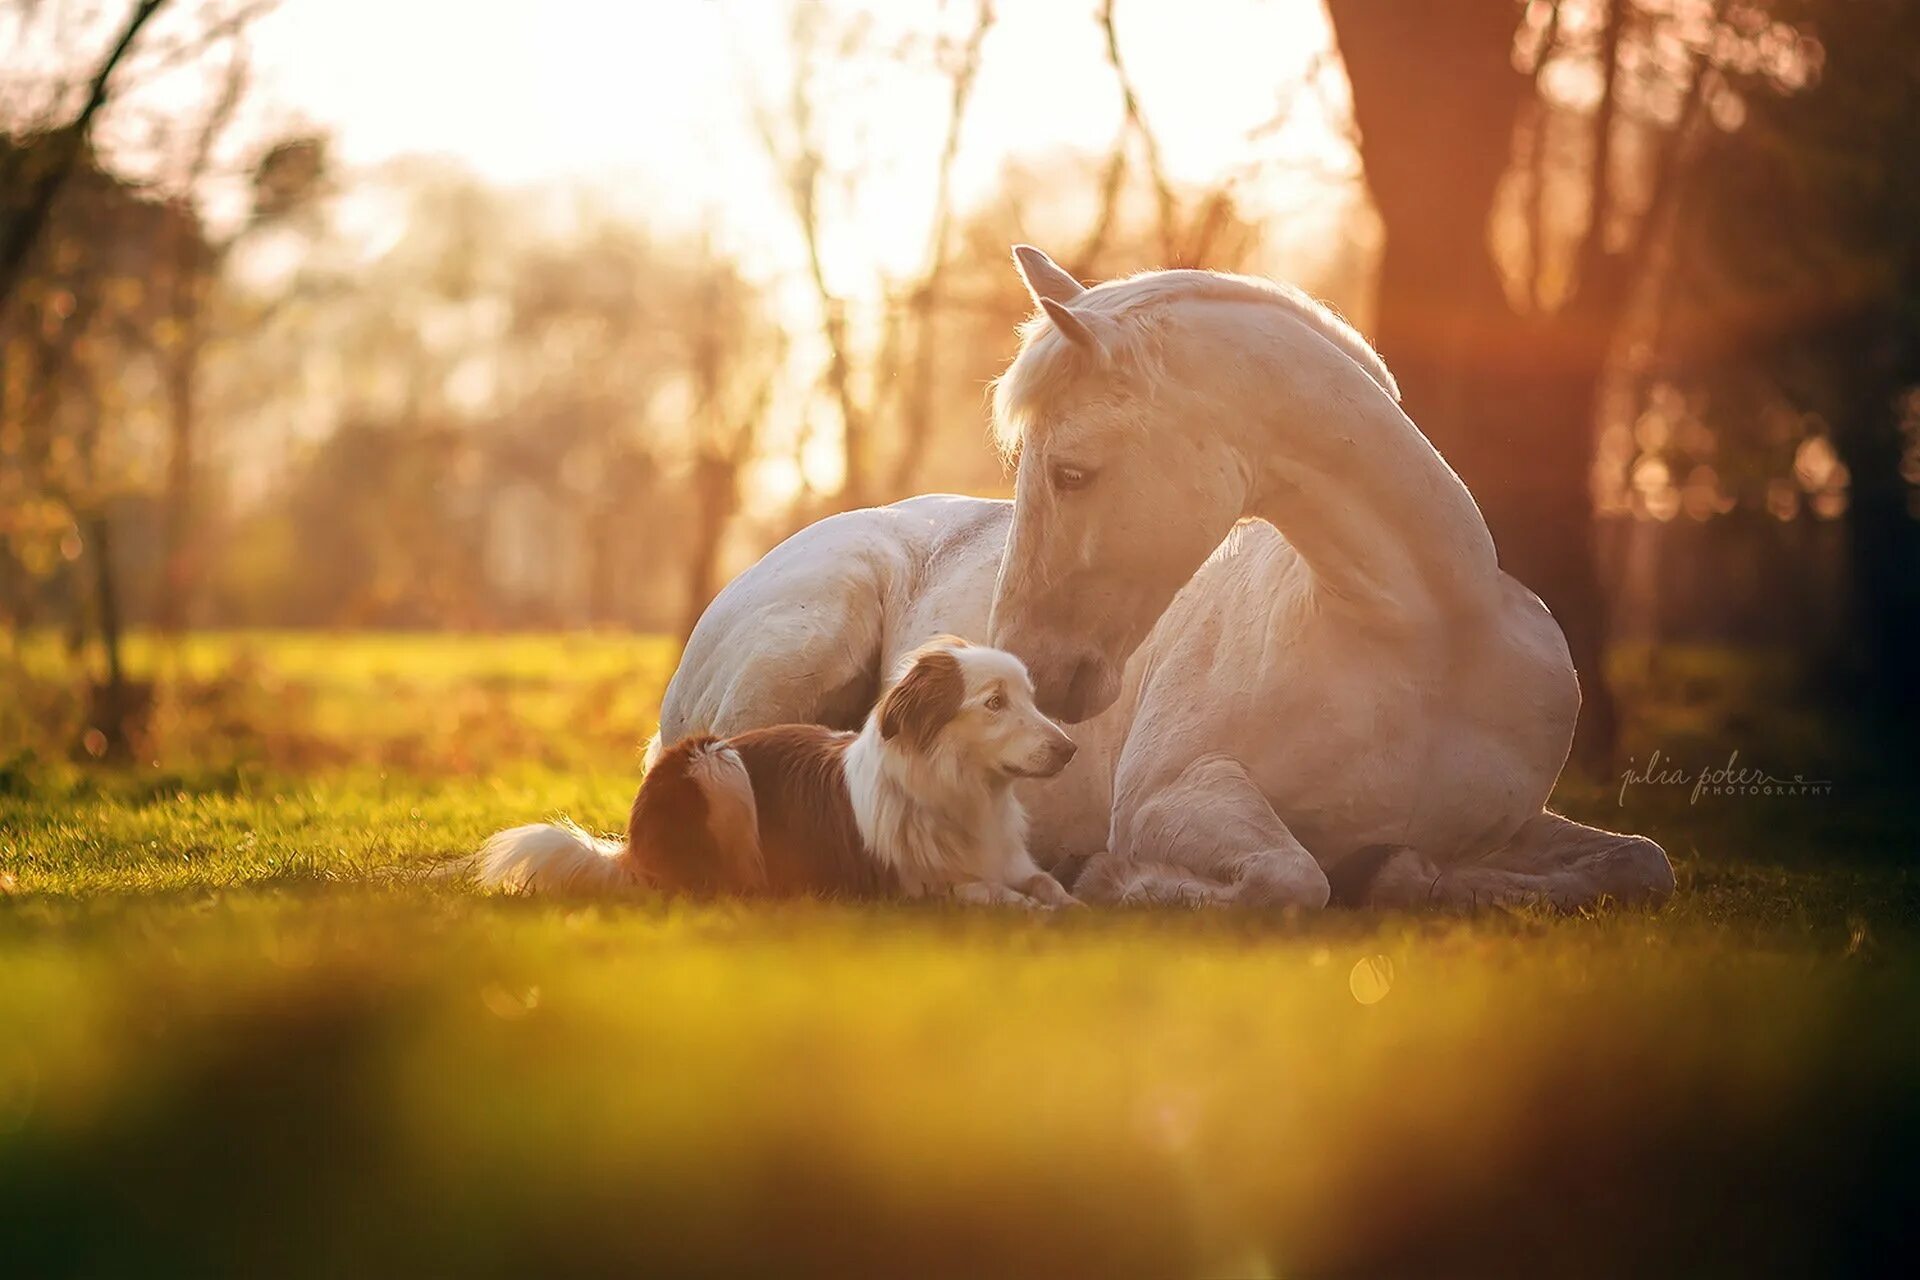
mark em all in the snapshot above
pixel 1063 751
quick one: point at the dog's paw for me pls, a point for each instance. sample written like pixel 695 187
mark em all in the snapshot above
pixel 1047 891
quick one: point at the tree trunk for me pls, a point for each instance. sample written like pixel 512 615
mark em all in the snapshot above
pixel 604 555
pixel 173 608
pixel 1531 469
pixel 1540 508
pixel 113 703
pixel 716 493
pixel 1508 399
pixel 1436 99
pixel 1883 552
pixel 1884 555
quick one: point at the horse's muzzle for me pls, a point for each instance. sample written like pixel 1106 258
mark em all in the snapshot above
pixel 1077 689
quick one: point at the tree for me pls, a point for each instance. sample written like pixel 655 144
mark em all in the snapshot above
pixel 75 342
pixel 574 400
pixel 1458 115
pixel 901 363
pixel 92 263
pixel 733 356
pixel 902 373
pixel 38 184
pixel 287 175
pixel 1814 309
pixel 1060 199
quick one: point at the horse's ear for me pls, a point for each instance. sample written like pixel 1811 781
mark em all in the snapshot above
pixel 1044 277
pixel 1074 327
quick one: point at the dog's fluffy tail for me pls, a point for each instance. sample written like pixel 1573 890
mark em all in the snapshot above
pixel 694 828
pixel 551 857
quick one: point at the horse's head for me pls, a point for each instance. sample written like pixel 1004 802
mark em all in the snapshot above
pixel 1129 476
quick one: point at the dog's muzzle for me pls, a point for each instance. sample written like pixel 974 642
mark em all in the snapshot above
pixel 1049 760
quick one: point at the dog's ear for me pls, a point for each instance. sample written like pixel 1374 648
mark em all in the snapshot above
pixel 926 698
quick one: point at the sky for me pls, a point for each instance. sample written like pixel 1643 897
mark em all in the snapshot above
pixel 647 105
pixel 647 102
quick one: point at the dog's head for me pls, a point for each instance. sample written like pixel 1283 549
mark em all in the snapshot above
pixel 976 704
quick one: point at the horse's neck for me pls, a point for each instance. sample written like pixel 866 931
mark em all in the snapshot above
pixel 1378 516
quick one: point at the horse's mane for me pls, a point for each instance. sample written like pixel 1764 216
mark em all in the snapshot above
pixel 1140 300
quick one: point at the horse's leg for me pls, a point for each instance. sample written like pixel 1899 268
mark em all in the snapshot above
pixel 1207 838
pixel 1550 861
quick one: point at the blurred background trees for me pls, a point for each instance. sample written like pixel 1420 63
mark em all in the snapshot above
pixel 1527 163
pixel 1646 270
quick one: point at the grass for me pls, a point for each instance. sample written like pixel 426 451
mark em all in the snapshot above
pixel 243 1035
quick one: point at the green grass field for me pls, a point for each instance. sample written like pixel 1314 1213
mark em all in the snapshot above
pixel 241 1033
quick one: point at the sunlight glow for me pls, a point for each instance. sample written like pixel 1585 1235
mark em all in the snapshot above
pixel 650 103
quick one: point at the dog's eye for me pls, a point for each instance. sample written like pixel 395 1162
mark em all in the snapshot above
pixel 1067 479
pixel 996 702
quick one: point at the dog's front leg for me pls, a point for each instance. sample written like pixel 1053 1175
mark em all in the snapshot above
pixel 1047 891
pixel 984 893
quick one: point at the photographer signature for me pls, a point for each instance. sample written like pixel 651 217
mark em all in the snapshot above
pixel 1730 779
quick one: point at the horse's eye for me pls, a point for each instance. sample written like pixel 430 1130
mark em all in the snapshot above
pixel 996 702
pixel 1067 479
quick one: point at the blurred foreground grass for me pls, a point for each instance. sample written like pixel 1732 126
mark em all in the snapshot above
pixel 240 1034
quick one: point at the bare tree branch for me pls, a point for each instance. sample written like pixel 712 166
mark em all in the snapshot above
pixel 220 114
pixel 1549 42
pixel 24 229
pixel 1149 145
pixel 800 169
pixel 158 61
pixel 1216 211
pixel 196 261
pixel 1667 166
pixel 1600 188
pixel 1112 182
pixel 1536 215
pixel 916 417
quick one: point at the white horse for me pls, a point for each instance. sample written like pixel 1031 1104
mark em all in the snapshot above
pixel 1275 608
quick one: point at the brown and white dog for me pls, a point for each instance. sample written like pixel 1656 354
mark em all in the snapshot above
pixel 919 802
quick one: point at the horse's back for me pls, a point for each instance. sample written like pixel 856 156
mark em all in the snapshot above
pixel 807 634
